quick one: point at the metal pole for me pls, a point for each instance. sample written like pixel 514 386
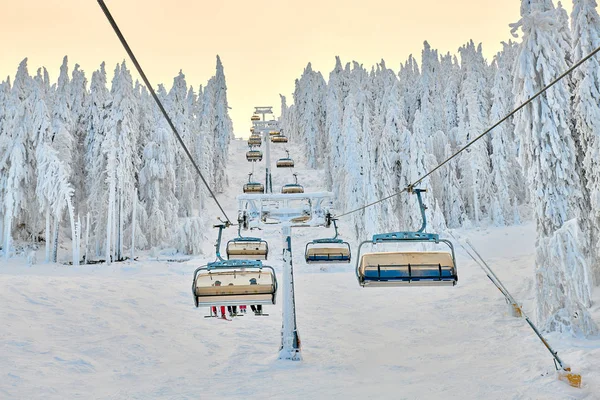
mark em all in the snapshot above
pixel 290 340
pixel 267 135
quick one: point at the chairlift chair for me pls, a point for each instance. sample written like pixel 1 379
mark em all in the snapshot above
pixel 254 140
pixel 252 129
pixel 253 187
pixel 292 187
pixel 254 155
pixel 255 118
pixel 247 248
pixel 328 250
pixel 407 268
pixel 273 133
pixel 286 162
pixel 279 139
pixel 233 282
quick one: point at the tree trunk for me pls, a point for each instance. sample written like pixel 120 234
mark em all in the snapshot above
pixel 47 234
pixel 133 223
pixel 57 219
pixel 87 235
pixel 7 229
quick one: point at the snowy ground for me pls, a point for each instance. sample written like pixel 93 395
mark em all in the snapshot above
pixel 131 330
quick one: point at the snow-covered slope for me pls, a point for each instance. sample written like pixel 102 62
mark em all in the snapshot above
pixel 130 330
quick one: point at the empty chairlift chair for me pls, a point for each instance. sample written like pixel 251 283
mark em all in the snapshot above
pixel 255 118
pixel 274 133
pixel 292 187
pixel 233 282
pixel 279 139
pixel 247 248
pixel 408 268
pixel 329 250
pixel 253 187
pixel 254 140
pixel 285 162
pixel 254 155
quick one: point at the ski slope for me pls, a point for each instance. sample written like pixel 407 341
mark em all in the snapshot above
pixel 131 330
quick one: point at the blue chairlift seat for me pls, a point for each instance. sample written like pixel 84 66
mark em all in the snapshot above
pixel 408 268
pixel 328 250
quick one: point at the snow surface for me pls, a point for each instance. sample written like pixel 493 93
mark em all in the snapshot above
pixel 130 330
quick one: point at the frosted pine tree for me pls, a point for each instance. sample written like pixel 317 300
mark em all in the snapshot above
pixel 353 162
pixel 473 110
pixel 409 88
pixel 308 98
pixel 586 38
pixel 563 281
pixel 158 180
pixel 389 166
pixel 53 189
pixel 18 162
pixel 451 72
pixel 98 103
pixel 180 113
pixel 119 146
pixel 334 106
pixel 223 129
pixel 5 146
pixel 79 116
pixel 508 184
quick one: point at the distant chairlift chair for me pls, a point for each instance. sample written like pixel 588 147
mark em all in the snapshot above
pixel 254 155
pixel 279 139
pixel 285 162
pixel 411 268
pixel 328 250
pixel 254 140
pixel 292 187
pixel 253 187
pixel 247 248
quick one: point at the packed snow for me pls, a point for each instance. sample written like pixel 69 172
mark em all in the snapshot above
pixel 130 330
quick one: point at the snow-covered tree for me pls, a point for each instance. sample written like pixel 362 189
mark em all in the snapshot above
pixel 548 155
pixel 506 175
pixel 473 112
pixel 586 113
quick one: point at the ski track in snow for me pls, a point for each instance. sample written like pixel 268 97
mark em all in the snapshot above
pixel 131 330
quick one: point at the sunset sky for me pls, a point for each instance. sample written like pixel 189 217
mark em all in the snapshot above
pixel 264 45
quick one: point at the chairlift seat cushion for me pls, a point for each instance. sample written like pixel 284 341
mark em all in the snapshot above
pixel 285 164
pixel 292 189
pixel 408 267
pixel 244 250
pixel 254 188
pixel 324 254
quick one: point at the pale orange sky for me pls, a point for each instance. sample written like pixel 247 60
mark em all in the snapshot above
pixel 264 45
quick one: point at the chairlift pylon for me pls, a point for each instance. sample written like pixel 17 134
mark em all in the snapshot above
pixel 233 282
pixel 328 250
pixel 410 268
